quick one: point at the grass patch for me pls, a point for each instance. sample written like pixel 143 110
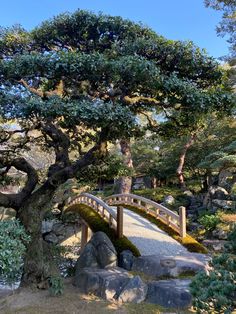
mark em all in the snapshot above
pixel 96 223
pixel 189 242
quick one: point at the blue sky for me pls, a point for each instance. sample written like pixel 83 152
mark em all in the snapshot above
pixel 174 19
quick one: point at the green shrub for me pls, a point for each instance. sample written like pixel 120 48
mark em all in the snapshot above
pixel 216 292
pixel 209 222
pixel 13 239
pixel 56 285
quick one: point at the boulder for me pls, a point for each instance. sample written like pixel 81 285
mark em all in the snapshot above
pixel 172 293
pixel 88 258
pixel 224 204
pixel 58 228
pixel 51 238
pixel 126 259
pixel 216 245
pixel 156 266
pixel 135 291
pixel 105 283
pixel 220 234
pixel 217 192
pixel 47 226
pixel 169 200
pixel 99 252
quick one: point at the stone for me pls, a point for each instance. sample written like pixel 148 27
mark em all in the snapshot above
pixel 58 228
pixel 188 193
pixel 51 238
pixel 169 200
pixel 216 245
pixel 126 259
pixel 99 252
pixel 224 204
pixel 105 250
pixel 87 258
pixel 105 283
pixel 217 192
pixel 47 226
pixel 156 266
pixel 220 234
pixel 135 291
pixel 172 293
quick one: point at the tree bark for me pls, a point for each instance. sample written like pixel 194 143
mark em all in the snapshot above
pixel 182 157
pixel 125 182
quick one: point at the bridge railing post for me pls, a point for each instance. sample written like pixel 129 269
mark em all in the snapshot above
pixel 182 218
pixel 120 221
pixel 84 234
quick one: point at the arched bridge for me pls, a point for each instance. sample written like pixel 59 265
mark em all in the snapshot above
pixel 147 237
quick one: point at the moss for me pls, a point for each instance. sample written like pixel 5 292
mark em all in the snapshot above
pixel 96 223
pixel 189 242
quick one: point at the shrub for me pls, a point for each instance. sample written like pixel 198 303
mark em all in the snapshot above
pixel 56 285
pixel 13 239
pixel 216 292
pixel 209 222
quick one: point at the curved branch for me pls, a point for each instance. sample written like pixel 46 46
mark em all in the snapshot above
pixel 60 142
pixel 59 90
pixel 15 200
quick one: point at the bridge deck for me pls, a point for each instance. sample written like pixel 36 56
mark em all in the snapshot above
pixel 148 238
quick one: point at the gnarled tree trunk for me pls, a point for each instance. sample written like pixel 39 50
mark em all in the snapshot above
pixel 125 182
pixel 38 262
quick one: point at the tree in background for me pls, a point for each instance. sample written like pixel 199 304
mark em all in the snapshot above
pixel 227 26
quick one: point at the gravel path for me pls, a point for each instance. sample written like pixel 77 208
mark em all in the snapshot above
pixel 148 238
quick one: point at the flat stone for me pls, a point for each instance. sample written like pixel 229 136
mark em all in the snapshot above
pixel 105 283
pixel 135 291
pixel 216 245
pixel 172 293
pixel 157 266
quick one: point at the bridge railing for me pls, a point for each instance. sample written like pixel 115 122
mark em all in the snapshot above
pixel 173 220
pixel 98 205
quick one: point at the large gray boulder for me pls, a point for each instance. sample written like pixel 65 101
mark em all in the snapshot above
pixel 134 292
pixel 99 252
pixel 105 283
pixel 157 266
pixel 172 293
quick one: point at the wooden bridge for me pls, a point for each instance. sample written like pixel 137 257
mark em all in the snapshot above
pixel 112 211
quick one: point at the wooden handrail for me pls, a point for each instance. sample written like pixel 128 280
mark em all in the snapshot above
pixel 173 220
pixel 104 210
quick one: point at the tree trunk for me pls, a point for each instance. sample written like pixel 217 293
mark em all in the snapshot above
pixel 125 182
pixel 154 182
pixel 38 261
pixel 182 157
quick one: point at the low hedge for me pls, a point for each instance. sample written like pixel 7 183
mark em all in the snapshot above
pixel 96 223
pixel 190 243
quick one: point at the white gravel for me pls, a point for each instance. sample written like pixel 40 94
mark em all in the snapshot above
pixel 148 238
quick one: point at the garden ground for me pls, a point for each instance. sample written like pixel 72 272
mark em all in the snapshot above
pixel 30 301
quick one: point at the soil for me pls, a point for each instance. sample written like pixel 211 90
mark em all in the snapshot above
pixel 35 301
